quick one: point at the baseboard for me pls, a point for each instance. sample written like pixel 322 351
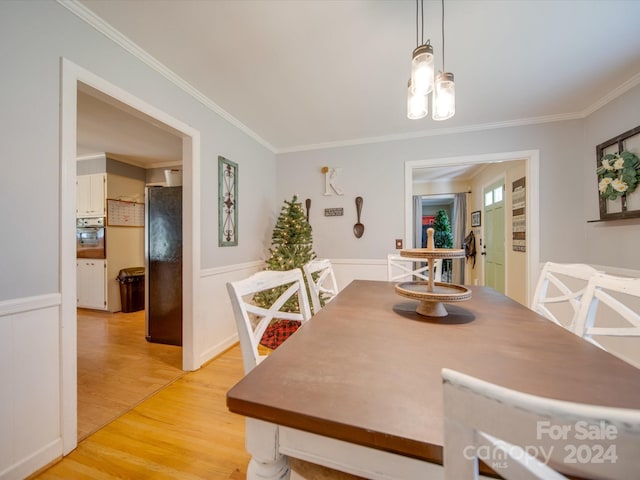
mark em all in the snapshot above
pixel 217 349
pixel 47 455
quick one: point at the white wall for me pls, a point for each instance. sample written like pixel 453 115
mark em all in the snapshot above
pixel 41 33
pixel 612 243
pixel 376 172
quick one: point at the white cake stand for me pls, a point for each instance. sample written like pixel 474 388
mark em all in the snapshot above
pixel 431 294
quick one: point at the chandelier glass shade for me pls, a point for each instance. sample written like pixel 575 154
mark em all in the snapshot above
pixel 423 80
pixel 422 66
pixel 444 97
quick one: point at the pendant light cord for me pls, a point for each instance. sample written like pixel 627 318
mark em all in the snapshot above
pixel 422 20
pixel 417 11
pixel 419 23
pixel 443 69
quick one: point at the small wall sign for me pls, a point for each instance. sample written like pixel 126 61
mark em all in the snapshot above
pixel 333 212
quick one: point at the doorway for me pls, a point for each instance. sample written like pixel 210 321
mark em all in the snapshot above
pixel 73 78
pixel 493 248
pixel 532 162
pixel 117 367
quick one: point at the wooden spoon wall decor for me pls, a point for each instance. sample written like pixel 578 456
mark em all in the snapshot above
pixel 358 228
pixel 307 203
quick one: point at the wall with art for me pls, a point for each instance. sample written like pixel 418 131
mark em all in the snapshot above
pixel 609 243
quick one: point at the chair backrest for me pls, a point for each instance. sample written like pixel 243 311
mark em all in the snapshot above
pixel 322 282
pixel 620 297
pixel 523 436
pixel 558 291
pixel 401 268
pixel 252 320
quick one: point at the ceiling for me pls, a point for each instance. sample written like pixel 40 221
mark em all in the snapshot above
pixel 106 126
pixel 299 74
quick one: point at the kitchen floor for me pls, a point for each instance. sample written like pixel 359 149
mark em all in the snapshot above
pixel 117 367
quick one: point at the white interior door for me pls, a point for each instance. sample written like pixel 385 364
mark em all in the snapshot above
pixel 494 244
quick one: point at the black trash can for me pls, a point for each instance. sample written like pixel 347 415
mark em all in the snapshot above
pixel 131 289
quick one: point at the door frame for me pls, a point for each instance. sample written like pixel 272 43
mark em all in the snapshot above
pixel 72 76
pixel 532 160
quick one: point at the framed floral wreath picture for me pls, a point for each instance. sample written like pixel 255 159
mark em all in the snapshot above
pixel 618 171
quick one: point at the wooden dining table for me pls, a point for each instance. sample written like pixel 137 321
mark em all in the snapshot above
pixel 358 387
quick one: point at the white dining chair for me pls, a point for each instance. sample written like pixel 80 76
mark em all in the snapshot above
pixel 523 436
pixel 252 320
pixel 401 268
pixel 558 291
pixel 321 281
pixel 610 307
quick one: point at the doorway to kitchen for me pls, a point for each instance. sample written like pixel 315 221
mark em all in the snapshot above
pixel 118 156
pixel 73 79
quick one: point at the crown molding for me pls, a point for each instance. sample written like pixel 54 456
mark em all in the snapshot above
pixel 435 133
pixel 613 94
pixel 103 27
pixel 123 41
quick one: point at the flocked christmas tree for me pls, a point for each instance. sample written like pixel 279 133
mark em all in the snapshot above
pixel 291 247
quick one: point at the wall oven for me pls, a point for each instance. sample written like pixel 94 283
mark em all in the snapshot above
pixel 91 238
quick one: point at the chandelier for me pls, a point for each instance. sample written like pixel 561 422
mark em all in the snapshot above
pixel 423 80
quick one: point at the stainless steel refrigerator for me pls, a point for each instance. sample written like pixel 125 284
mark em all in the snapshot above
pixel 163 258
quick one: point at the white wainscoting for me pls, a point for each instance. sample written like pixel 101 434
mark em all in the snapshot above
pixel 626 348
pixel 218 326
pixel 216 318
pixel 30 356
pixel 360 269
pixel 30 429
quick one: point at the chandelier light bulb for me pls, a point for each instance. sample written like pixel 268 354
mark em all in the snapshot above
pixel 444 97
pixel 417 105
pixel 422 70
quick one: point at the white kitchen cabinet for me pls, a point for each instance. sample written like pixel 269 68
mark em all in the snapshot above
pixel 91 195
pixel 91 287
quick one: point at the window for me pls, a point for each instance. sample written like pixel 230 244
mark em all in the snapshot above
pixel 493 196
pixel 497 194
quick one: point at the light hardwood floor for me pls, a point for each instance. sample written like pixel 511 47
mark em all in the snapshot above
pixel 117 367
pixel 182 431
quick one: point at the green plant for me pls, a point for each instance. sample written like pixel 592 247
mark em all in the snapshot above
pixel 442 236
pixel 618 174
pixel 291 247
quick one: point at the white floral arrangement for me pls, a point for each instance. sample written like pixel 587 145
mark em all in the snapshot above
pixel 618 174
